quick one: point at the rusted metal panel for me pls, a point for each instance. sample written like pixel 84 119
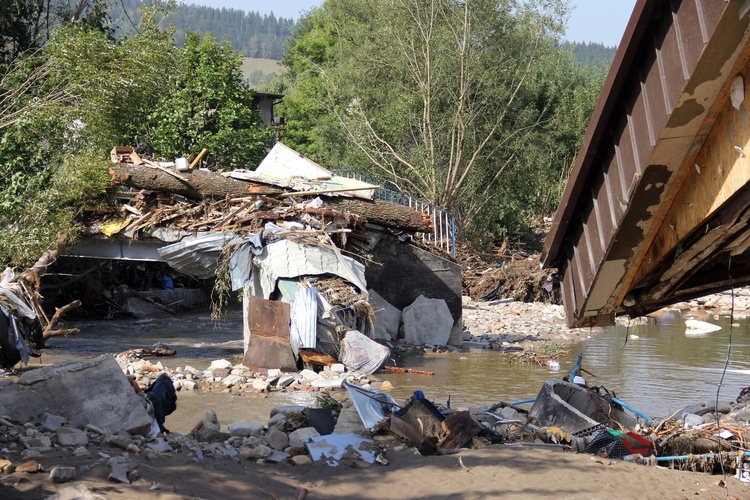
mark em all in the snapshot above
pixel 658 105
pixel 268 345
pixel 592 226
pixel 603 210
pixel 689 23
pixel 670 57
pixel 640 132
pixel 653 88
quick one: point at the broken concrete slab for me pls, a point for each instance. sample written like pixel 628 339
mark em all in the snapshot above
pixel 387 317
pixel 427 321
pixel 92 391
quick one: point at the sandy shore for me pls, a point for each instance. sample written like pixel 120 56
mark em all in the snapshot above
pixel 492 472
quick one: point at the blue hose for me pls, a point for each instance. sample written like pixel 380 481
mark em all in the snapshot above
pixel 705 455
pixel 645 417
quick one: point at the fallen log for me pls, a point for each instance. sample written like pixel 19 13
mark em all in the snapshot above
pixel 398 369
pixel 384 213
pixel 198 184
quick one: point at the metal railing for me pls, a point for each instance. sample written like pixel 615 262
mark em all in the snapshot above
pixel 443 233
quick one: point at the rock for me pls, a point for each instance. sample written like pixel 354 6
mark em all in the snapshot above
pixel 309 375
pixel 285 380
pixel 78 492
pixel 207 428
pixel 298 438
pixel 328 383
pixel 159 446
pixel 219 364
pixel 261 385
pixel 277 439
pixel 220 450
pixel 77 391
pixel 40 442
pixel 277 456
pixel 255 452
pixel 27 454
pixel 29 467
pixel 120 467
pixel 387 317
pixel 52 422
pixel 6 467
pixel 509 413
pixel 302 460
pixel 385 385
pixel 119 441
pixel 274 373
pixel 70 436
pixel 62 474
pixel 232 380
pixel 80 451
pixel 288 409
pixel 427 321
pixel 337 368
pixel 743 415
pixel 244 429
pixel 188 385
pixel 289 422
pixel 692 420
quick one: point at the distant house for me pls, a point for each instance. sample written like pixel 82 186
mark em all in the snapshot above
pixel 264 102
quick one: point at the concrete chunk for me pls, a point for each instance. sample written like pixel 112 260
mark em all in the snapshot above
pixel 92 391
pixel 387 317
pixel 427 321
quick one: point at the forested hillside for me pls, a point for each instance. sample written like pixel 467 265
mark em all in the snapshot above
pixel 590 53
pixel 250 33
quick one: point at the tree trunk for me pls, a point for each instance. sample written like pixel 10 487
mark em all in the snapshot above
pixel 199 184
pixel 385 213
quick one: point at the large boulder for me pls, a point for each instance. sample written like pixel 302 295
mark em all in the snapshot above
pixel 387 317
pixel 93 391
pixel 427 321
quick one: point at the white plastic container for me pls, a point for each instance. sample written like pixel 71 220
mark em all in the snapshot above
pixel 182 164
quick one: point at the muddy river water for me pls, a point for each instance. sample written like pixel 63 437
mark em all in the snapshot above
pixel 659 370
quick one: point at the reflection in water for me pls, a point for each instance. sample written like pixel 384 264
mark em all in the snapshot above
pixel 658 371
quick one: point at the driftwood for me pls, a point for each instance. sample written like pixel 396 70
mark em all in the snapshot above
pixel 199 184
pixel 49 330
pixel 398 369
pixel 35 272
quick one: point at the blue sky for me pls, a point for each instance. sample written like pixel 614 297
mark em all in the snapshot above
pixel 600 21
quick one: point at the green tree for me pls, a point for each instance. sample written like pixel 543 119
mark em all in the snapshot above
pixel 455 102
pixel 210 107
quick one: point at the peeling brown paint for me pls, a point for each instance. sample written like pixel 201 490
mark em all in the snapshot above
pixel 689 111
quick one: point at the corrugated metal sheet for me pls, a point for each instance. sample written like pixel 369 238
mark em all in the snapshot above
pixel 304 313
pixel 289 259
pixel 198 256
